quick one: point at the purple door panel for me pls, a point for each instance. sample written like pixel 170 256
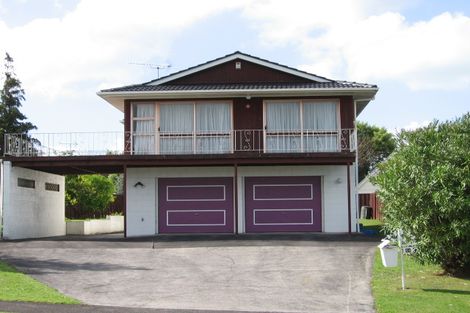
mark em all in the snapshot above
pixel 283 204
pixel 195 205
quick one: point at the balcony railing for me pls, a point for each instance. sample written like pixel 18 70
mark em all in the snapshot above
pixel 172 143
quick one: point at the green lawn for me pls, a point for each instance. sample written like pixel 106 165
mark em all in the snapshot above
pixel 427 291
pixel 16 286
pixel 375 225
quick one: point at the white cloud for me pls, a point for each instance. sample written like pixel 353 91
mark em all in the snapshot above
pixel 415 125
pixel 410 126
pixel 63 61
pixel 349 43
pixel 96 41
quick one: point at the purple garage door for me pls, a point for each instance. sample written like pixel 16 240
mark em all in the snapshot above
pixel 195 205
pixel 283 204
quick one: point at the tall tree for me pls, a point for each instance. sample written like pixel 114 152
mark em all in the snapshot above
pixel 374 144
pixel 11 96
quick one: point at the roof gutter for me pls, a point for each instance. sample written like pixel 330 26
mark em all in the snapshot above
pixel 117 98
pixel 235 91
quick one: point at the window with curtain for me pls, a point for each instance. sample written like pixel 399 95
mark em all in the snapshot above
pixel 301 126
pixel 283 127
pixel 201 127
pixel 213 126
pixel 320 129
pixel 143 128
pixel 176 128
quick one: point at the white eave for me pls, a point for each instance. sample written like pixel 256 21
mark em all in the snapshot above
pixel 240 56
pixel 117 98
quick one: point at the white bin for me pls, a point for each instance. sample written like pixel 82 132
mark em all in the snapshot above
pixel 388 253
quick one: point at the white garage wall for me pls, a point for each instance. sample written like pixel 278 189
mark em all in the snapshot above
pixel 141 201
pixel 28 212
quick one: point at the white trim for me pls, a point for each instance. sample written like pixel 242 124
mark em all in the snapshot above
pixel 281 224
pixel 242 57
pixel 186 211
pixel 281 199
pixel 189 186
pixel 117 98
pixel 236 92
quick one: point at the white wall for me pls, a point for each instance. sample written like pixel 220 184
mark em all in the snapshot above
pixel 142 201
pixel 112 224
pixel 28 212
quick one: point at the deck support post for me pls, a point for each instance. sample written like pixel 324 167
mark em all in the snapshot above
pixel 125 199
pixel 349 197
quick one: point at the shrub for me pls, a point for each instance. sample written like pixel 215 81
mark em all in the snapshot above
pixel 91 193
pixel 425 190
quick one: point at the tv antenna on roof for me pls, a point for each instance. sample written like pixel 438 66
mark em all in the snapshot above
pixel 153 66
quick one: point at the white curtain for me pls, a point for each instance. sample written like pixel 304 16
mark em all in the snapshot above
pixel 213 125
pixel 283 127
pixel 176 128
pixel 320 126
pixel 144 128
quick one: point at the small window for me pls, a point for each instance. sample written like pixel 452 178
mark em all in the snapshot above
pixel 26 183
pixel 52 187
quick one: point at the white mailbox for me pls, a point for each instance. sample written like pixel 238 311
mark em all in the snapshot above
pixel 388 253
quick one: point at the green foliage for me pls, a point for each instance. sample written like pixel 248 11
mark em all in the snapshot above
pixel 11 96
pixel 425 190
pixel 16 286
pixel 118 181
pixel 91 193
pixel 374 144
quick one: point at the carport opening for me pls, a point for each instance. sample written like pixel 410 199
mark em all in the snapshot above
pixel 65 199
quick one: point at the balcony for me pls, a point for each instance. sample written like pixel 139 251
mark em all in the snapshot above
pixel 168 144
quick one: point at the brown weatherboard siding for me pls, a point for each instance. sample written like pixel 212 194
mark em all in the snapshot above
pixel 226 73
pixel 347 112
pixel 127 116
pixel 248 115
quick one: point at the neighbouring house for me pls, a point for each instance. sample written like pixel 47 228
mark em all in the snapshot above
pixel 238 144
pixel 367 193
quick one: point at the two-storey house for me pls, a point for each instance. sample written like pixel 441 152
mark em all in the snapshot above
pixel 238 144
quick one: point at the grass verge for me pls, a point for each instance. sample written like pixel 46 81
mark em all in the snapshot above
pixel 16 286
pixel 427 290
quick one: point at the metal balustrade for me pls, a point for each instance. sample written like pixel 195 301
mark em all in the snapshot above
pixel 176 143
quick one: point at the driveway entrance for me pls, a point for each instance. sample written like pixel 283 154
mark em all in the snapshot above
pixel 307 273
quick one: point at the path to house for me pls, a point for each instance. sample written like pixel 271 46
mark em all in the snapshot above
pixel 291 273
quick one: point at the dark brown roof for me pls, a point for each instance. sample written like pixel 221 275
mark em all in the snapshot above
pixel 331 85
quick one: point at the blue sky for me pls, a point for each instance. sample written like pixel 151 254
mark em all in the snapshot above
pixel 65 51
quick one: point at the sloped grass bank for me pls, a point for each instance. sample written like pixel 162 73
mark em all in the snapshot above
pixel 16 286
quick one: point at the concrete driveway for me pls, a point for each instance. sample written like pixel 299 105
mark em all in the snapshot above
pixel 304 273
